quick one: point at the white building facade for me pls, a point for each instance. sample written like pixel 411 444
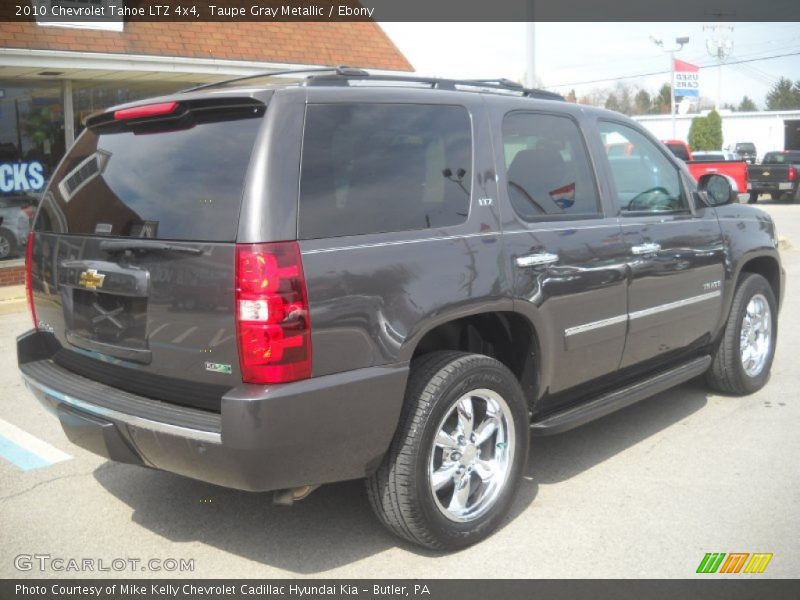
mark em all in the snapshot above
pixel 768 130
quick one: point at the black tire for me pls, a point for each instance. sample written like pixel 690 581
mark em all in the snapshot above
pixel 8 244
pixel 727 374
pixel 400 491
pixel 753 198
pixel 795 198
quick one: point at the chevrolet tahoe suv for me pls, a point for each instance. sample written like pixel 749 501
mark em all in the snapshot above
pixel 353 276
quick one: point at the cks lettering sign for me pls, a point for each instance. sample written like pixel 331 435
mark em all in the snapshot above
pixel 687 79
pixel 21 176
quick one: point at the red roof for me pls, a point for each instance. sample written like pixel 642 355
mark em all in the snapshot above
pixel 357 44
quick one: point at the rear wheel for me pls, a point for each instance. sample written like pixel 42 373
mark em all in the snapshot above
pixel 743 359
pixel 753 198
pixel 455 463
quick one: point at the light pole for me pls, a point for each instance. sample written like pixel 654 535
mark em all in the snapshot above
pixel 720 47
pixel 681 41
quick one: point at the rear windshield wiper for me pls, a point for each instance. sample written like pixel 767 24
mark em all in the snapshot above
pixel 145 246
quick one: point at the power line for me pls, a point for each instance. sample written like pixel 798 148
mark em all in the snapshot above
pixel 730 62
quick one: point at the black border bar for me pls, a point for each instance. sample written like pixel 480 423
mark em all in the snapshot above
pixel 742 587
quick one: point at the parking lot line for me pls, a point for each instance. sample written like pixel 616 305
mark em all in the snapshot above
pixel 25 450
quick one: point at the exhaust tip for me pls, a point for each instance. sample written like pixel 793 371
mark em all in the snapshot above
pixel 290 496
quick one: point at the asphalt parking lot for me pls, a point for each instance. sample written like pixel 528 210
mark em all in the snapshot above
pixel 645 492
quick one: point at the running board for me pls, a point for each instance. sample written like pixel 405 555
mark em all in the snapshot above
pixel 612 401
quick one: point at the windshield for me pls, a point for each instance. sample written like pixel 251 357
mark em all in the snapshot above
pixel 745 148
pixel 709 157
pixel 178 183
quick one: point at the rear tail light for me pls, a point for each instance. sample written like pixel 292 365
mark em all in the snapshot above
pixel 29 277
pixel 272 318
pixel 792 173
pixel 146 111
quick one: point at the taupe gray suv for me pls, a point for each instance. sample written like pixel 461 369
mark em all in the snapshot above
pixel 397 279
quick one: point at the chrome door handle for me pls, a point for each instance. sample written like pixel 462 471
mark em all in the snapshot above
pixel 532 260
pixel 646 248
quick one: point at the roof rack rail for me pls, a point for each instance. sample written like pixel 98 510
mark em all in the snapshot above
pixel 337 78
pixel 342 75
pixel 342 70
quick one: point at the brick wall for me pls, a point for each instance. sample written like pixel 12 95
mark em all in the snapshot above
pixel 12 275
pixel 358 44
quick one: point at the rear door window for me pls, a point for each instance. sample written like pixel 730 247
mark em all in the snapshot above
pixel 370 168
pixel 547 166
pixel 182 182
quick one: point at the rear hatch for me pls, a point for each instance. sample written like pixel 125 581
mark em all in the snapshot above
pixel 133 265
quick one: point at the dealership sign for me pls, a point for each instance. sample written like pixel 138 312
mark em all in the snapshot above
pixel 21 176
pixel 687 79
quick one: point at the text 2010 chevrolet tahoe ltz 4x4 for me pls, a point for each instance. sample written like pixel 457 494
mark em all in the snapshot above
pixel 357 276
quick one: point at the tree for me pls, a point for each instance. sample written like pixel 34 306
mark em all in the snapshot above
pixel 571 97
pixel 642 103
pixel 661 102
pixel 784 95
pixel 699 137
pixel 714 130
pixel 747 105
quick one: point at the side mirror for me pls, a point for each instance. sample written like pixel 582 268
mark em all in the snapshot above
pixel 718 189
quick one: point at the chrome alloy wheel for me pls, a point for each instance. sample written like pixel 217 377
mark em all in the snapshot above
pixel 472 455
pixel 755 338
pixel 5 246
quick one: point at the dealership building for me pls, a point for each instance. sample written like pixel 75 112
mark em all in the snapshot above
pixel 768 130
pixel 52 77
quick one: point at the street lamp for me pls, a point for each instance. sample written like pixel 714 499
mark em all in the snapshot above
pixel 681 41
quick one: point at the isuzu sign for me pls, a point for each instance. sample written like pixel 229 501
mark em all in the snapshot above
pixel 21 176
pixel 687 79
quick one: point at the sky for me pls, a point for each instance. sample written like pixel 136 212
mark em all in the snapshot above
pixel 577 55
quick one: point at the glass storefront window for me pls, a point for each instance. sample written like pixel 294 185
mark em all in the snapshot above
pixel 31 134
pixel 31 144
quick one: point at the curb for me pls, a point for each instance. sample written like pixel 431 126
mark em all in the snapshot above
pixel 12 299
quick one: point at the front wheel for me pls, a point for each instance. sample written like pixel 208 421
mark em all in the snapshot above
pixel 743 360
pixel 453 468
pixel 8 244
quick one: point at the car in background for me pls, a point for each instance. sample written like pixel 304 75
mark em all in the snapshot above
pixel 777 175
pixel 27 202
pixel 745 150
pixel 14 227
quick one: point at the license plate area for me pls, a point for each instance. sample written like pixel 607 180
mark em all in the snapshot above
pixel 110 324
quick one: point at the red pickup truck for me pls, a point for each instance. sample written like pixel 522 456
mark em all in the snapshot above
pixel 720 162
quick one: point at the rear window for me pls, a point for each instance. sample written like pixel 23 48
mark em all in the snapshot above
pixel 679 150
pixel 781 158
pixel 370 168
pixel 179 183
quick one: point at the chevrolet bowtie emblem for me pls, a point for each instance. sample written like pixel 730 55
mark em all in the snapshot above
pixel 91 279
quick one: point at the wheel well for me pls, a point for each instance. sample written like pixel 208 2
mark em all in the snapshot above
pixel 505 336
pixel 768 268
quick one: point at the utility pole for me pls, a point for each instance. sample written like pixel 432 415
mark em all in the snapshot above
pixel 720 47
pixel 681 41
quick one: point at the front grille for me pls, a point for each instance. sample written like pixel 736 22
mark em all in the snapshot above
pixel 158 387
